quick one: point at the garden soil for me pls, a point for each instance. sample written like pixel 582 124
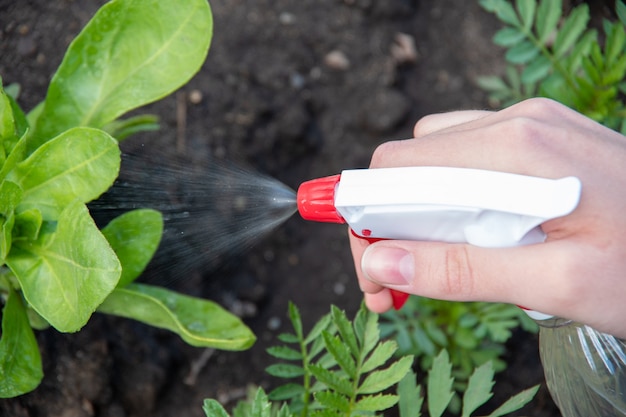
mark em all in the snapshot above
pixel 294 89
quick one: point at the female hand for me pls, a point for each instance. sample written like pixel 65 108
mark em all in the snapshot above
pixel 578 273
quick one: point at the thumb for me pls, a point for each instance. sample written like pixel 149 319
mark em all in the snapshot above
pixel 461 272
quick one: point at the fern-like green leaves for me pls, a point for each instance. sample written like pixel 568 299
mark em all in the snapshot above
pixel 343 374
pixel 349 376
pixel 472 334
pixel 560 57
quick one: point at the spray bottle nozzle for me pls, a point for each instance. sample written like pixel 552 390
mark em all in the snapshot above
pixel 316 200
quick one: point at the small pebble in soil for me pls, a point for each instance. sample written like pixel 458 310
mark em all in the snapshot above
pixel 337 60
pixel 195 96
pixel 339 288
pixel 403 50
pixel 274 323
pixel 287 18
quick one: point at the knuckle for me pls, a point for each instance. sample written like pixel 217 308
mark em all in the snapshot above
pixel 384 155
pixel 540 107
pixel 572 279
pixel 459 276
pixel 423 126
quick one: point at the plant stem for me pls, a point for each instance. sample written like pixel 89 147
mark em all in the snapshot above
pixel 306 396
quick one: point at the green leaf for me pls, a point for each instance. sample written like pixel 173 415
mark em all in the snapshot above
pixel 198 322
pixel 522 53
pixel 571 30
pixel 526 10
pixel 7 122
pixel 331 379
pixel 28 224
pixel 341 354
pixel 378 381
pixel 383 352
pixel 20 361
pixel 614 45
pixel 508 36
pixel 372 403
pixel 620 9
pixel 548 16
pixel 21 124
pixel 284 352
pixel 135 237
pixel 333 401
pixel 345 330
pixel 17 155
pixel 506 13
pixel 121 129
pixel 286 392
pixel 68 272
pixel 537 70
pixel 131 53
pixel 368 333
pixel 478 389
pixel 616 72
pixel 212 408
pixel 261 406
pixel 285 370
pixel 581 49
pixel 439 385
pixel 296 321
pixel 410 395
pixel 10 194
pixel 516 402
pixel 52 177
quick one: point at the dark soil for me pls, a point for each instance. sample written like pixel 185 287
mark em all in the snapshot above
pixel 295 89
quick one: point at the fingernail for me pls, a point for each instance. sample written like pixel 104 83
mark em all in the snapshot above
pixel 388 266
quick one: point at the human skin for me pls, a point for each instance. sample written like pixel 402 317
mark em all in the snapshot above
pixel 578 273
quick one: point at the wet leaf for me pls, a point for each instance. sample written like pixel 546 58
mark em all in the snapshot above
pixel 68 271
pixel 197 321
pixel 20 361
pixel 131 53
pixel 135 237
pixel 52 177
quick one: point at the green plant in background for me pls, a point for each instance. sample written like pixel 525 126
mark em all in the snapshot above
pixel 473 333
pixel 56 266
pixel 339 363
pixel 560 57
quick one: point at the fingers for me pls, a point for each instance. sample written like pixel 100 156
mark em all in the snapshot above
pixel 437 122
pixel 459 272
pixel 520 139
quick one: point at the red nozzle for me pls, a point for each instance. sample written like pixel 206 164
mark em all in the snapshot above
pixel 316 200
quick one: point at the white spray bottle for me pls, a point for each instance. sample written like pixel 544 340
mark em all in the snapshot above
pixel 585 369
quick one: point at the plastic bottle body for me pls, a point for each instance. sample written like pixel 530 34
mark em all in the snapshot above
pixel 585 369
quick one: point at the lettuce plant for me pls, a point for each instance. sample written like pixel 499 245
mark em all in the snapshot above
pixel 56 266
